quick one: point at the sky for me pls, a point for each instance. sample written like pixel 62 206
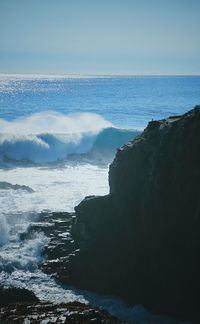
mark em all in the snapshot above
pixel 134 37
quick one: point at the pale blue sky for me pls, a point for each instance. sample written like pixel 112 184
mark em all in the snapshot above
pixel 100 36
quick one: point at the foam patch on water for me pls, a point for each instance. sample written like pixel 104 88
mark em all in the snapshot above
pixel 55 189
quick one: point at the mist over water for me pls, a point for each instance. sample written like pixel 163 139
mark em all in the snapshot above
pixel 4 238
pixel 55 123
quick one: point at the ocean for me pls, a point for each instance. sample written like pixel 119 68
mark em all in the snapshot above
pixel 58 135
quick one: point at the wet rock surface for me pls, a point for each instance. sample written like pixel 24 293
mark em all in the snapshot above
pixel 16 295
pixel 8 186
pixel 60 247
pixel 142 241
pixel 44 313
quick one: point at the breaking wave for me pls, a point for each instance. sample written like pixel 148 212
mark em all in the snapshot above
pixel 52 137
pixel 22 255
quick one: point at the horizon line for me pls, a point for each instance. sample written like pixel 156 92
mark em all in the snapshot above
pixel 94 75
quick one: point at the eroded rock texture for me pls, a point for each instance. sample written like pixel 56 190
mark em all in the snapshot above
pixel 142 241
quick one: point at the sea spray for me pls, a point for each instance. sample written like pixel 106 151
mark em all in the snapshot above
pixel 53 137
pixel 23 255
pixel 55 122
pixel 4 236
pixel 49 136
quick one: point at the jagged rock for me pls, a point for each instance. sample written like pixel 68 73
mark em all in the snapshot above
pixel 142 241
pixel 57 227
pixel 49 313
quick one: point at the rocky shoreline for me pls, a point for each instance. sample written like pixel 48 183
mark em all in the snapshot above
pixel 21 306
pixel 61 246
pixel 141 242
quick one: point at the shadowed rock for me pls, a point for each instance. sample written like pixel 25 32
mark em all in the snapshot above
pixel 142 241
pixel 49 313
pixel 16 295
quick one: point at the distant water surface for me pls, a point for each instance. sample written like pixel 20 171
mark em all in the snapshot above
pixel 128 102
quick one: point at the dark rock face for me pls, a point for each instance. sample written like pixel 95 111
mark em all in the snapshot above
pixel 16 295
pixel 142 241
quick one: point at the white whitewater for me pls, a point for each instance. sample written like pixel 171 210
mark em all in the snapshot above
pixel 41 138
pixel 49 136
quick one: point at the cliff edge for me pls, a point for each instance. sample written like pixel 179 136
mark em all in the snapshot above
pixel 141 242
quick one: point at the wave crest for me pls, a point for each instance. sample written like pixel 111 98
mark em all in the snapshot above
pixel 55 123
pixel 53 137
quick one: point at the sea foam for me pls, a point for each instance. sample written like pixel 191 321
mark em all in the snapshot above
pixel 55 122
pixel 51 137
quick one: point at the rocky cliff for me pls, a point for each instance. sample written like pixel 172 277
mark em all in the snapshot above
pixel 142 241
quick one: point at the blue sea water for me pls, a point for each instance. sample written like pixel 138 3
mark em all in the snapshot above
pixel 58 135
pixel 127 102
